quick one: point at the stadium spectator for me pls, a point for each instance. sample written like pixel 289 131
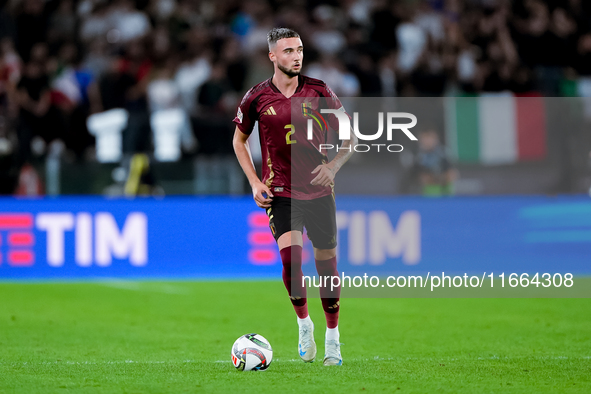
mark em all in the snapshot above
pixel 97 60
pixel 216 104
pixel 195 69
pixel 31 26
pixel 434 169
pixel 327 38
pixel 9 166
pixel 95 25
pixel 163 92
pixel 387 73
pixel 583 64
pixel 134 69
pixel 333 72
pixel 63 22
pixel 128 23
pixel 237 65
pixel 370 84
pixel 75 94
pixel 34 100
pixel 10 72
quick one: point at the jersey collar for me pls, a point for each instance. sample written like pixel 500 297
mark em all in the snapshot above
pixel 298 89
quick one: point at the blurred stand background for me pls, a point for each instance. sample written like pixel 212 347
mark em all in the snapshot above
pixel 130 97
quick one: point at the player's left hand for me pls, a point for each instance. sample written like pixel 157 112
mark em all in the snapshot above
pixel 325 175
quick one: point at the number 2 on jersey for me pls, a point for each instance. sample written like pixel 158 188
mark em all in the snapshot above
pixel 288 139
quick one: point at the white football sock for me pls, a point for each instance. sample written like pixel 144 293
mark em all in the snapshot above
pixel 304 320
pixel 332 334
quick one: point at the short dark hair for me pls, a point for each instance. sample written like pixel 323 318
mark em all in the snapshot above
pixel 277 33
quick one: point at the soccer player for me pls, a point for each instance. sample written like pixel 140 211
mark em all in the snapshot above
pixel 296 189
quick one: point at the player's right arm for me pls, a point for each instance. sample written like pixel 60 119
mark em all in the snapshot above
pixel 242 150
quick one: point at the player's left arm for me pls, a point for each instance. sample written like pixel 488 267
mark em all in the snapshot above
pixel 327 172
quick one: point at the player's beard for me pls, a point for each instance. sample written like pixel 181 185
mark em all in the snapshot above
pixel 288 72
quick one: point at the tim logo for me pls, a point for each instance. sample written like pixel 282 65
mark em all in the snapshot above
pixel 363 238
pixel 16 232
pixel 263 250
pixel 262 247
pixel 83 237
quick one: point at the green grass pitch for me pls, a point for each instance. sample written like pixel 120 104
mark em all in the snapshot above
pixel 175 337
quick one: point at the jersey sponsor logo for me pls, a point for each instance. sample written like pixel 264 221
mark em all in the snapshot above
pixel 239 115
pixel 270 111
pixel 278 189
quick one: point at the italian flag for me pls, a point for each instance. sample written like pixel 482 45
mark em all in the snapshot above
pixel 496 129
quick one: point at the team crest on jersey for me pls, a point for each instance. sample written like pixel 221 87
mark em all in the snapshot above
pixel 309 112
pixel 239 115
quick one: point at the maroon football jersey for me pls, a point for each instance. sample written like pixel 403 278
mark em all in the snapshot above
pixel 289 157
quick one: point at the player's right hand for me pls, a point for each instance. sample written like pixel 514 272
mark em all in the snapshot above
pixel 262 195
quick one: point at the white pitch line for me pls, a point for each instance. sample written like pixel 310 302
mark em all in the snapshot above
pixel 144 286
pixel 376 358
pixel 97 362
pixel 275 359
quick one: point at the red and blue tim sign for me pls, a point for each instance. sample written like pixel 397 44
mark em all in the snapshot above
pixel 17 239
pixel 262 247
pixel 97 238
pixel 93 237
pixel 228 237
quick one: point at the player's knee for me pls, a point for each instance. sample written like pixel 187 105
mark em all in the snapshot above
pixel 325 254
pixel 327 266
pixel 291 256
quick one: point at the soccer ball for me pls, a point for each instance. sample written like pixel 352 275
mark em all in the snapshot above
pixel 252 352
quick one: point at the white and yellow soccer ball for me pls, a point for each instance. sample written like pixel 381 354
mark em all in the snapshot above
pixel 252 352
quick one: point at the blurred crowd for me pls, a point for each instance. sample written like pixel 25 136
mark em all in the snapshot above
pixel 61 60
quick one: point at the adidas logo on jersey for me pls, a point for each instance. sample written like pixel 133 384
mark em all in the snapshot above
pixel 270 111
